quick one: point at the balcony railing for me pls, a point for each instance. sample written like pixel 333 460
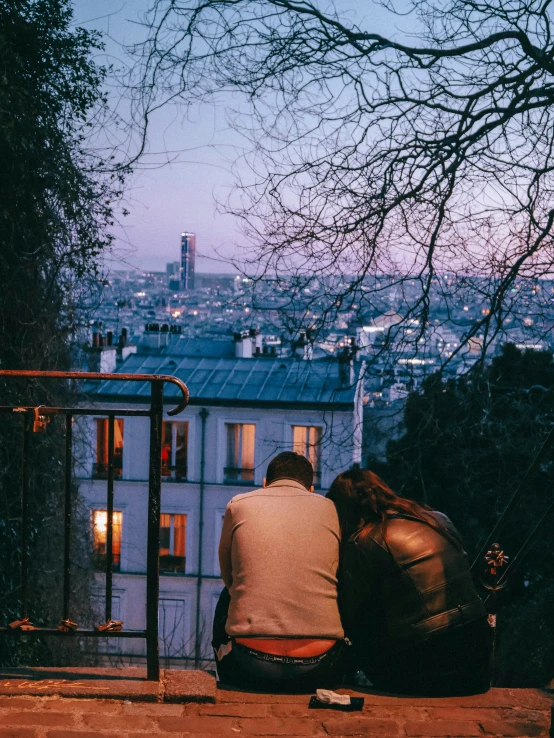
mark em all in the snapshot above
pixel 172 564
pixel 100 471
pixel 101 562
pixel 235 475
pixel 176 473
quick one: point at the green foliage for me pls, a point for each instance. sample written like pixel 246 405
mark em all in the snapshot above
pixel 56 198
pixel 467 444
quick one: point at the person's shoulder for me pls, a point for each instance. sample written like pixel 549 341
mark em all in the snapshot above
pixel 323 509
pixel 441 517
pixel 318 499
pixel 245 497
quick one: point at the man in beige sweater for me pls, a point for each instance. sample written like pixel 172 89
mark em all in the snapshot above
pixel 277 623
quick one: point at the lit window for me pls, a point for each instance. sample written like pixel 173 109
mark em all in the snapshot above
pixel 240 452
pixel 174 450
pixel 100 470
pixel 100 539
pixel 306 440
pixel 173 538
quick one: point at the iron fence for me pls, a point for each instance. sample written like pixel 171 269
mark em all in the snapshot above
pixel 34 420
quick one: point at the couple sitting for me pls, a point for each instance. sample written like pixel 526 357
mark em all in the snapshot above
pixel 403 593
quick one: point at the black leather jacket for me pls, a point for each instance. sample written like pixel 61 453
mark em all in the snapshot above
pixel 402 582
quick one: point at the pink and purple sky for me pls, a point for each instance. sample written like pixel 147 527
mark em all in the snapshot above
pixel 166 199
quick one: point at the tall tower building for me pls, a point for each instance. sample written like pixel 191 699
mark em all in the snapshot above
pixel 188 255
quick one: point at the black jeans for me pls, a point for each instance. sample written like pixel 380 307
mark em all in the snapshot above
pixel 452 662
pixel 247 668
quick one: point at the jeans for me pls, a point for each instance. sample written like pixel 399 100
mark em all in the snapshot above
pixel 452 662
pixel 245 667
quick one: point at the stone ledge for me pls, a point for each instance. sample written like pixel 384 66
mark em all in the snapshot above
pixel 116 684
pixel 383 715
pixel 40 703
pixel 188 686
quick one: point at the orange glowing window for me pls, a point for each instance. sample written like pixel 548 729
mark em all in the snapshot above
pixel 241 440
pixel 306 440
pixel 173 540
pixel 100 539
pixel 174 449
pixel 102 453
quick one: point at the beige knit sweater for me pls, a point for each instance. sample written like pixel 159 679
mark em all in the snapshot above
pixel 279 555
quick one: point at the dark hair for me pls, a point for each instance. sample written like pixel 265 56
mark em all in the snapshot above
pixel 361 497
pixel 289 465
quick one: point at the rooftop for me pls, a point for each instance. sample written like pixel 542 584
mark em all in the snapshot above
pixel 272 382
pixel 179 345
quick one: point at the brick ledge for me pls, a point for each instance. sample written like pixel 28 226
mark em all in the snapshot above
pixel 41 703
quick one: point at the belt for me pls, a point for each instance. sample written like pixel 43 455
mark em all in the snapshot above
pixel 273 658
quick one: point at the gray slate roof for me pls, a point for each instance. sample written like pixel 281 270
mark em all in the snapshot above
pixel 205 347
pixel 232 381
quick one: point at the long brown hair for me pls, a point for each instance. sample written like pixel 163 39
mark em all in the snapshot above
pixel 361 497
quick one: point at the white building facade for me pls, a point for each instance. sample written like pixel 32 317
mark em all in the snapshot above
pixel 242 412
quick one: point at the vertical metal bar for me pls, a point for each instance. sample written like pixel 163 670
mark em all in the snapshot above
pixel 25 484
pixel 153 545
pixel 67 514
pixel 109 512
pixel 491 617
pixel 203 416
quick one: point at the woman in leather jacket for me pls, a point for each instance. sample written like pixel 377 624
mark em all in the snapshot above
pixel 407 599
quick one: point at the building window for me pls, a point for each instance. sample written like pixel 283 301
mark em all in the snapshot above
pixel 240 452
pixel 100 539
pixel 174 450
pixel 306 440
pixel 100 468
pixel 173 539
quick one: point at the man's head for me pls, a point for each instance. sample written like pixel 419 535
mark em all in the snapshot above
pixel 289 465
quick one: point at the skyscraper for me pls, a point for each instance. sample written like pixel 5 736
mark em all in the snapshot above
pixel 188 254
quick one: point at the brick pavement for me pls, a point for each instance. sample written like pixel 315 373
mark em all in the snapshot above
pixel 501 712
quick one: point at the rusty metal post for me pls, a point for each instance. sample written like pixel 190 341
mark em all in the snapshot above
pixel 197 647
pixel 67 515
pixel 153 545
pixel 24 529
pixel 495 560
pixel 109 520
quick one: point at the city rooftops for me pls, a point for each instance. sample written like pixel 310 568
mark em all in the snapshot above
pixel 179 345
pixel 239 382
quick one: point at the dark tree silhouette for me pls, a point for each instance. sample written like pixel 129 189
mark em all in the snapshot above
pixel 466 446
pixel 376 156
pixel 56 198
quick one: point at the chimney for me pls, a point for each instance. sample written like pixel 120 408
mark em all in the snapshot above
pixel 302 347
pixel 257 341
pixel 346 359
pixel 243 345
pixel 103 356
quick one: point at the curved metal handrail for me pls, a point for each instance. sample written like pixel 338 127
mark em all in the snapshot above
pixel 105 377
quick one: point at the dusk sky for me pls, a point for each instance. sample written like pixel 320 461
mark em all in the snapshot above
pixel 166 199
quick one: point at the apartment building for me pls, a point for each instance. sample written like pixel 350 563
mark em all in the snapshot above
pixel 242 412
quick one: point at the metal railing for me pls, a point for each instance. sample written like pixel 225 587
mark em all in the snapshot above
pixel 34 420
pixel 238 475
